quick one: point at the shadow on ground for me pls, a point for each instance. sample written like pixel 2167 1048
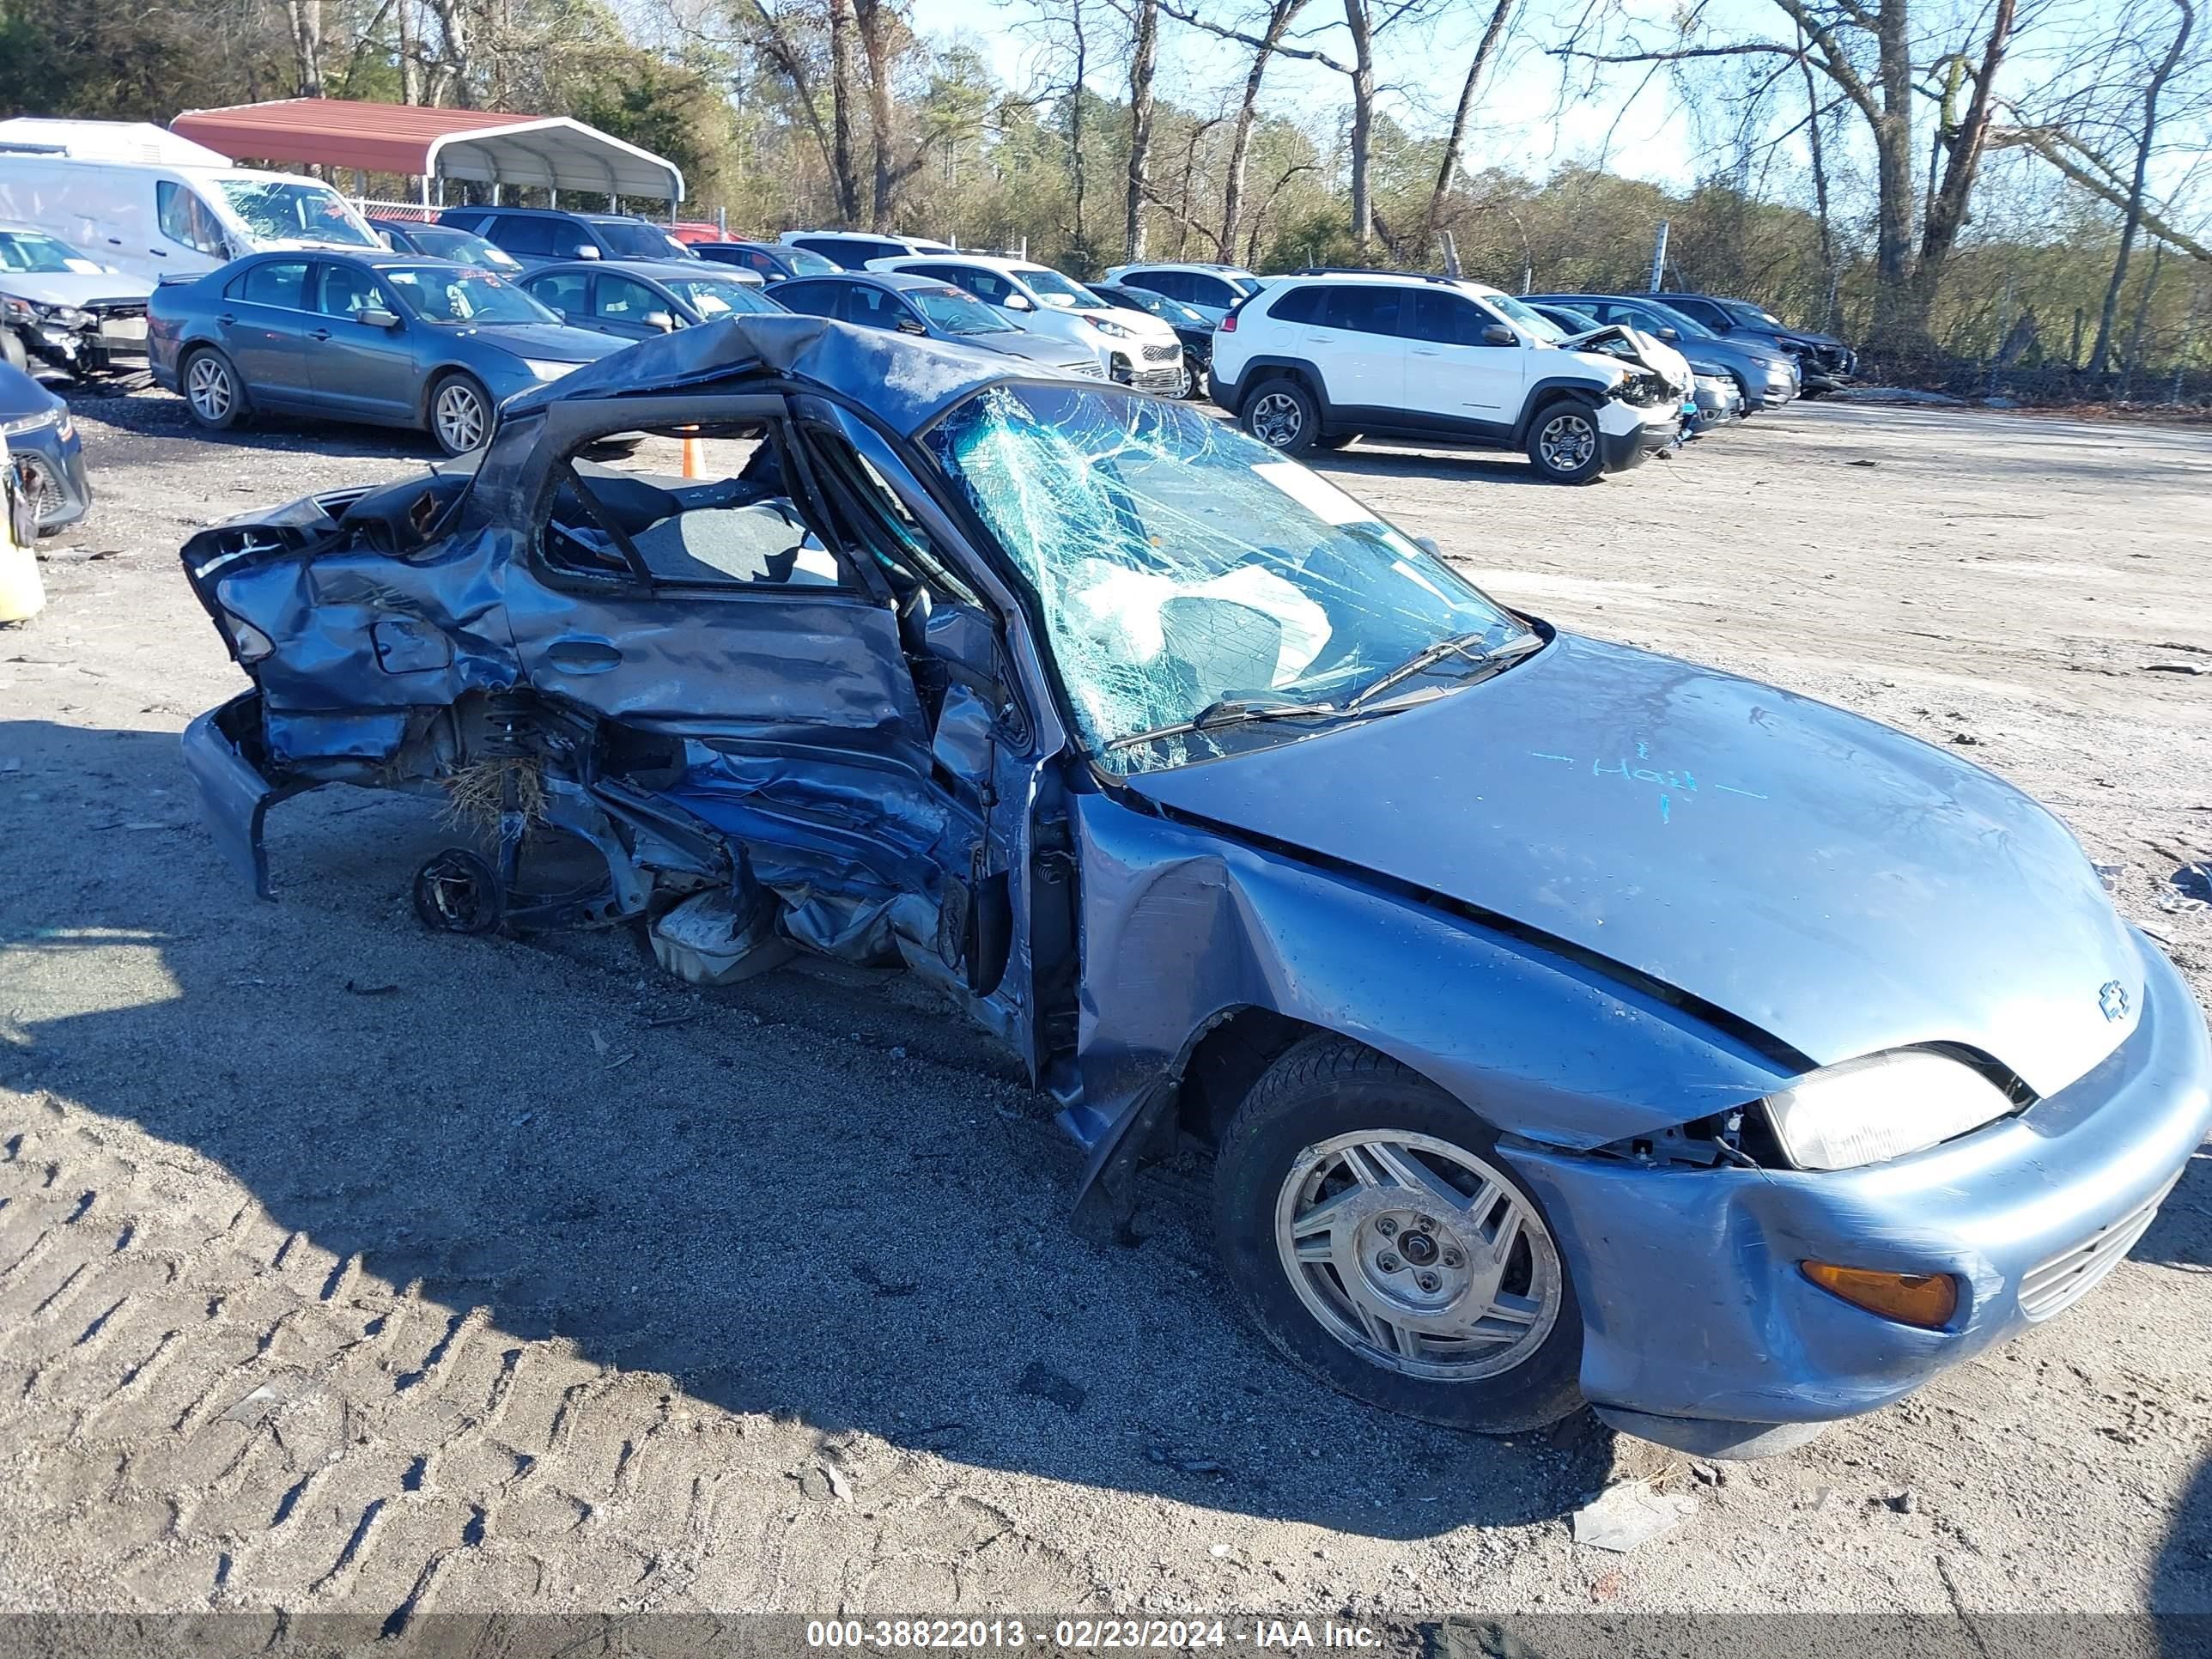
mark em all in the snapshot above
pixel 811 1196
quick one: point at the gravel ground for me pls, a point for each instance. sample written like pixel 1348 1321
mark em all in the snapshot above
pixel 347 1269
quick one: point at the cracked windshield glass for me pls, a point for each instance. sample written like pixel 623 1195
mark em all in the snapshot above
pixel 1203 595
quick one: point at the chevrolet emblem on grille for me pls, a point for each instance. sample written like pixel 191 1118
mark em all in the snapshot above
pixel 2112 998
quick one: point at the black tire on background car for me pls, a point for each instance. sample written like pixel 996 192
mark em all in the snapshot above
pixel 12 352
pixel 460 413
pixel 1563 442
pixel 1280 414
pixel 212 390
pixel 1377 1238
pixel 1336 441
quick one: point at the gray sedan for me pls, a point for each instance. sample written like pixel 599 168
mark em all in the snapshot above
pixel 931 308
pixel 637 299
pixel 391 340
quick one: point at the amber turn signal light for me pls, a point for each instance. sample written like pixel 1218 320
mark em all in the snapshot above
pixel 1927 1300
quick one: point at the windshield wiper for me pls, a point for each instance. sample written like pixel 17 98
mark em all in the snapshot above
pixel 1229 711
pixel 1460 645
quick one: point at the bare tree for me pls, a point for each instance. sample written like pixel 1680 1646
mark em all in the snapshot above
pixel 1501 19
pixel 2132 215
pixel 841 100
pixel 1281 14
pixel 878 25
pixel 1144 59
pixel 305 18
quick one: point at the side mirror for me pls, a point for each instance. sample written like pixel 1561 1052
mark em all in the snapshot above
pixel 912 326
pixel 661 320
pixel 376 317
pixel 1670 334
pixel 1428 545
pixel 1017 302
pixel 1496 334
pixel 586 250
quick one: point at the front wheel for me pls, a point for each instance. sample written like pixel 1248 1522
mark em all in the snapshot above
pixel 1378 1239
pixel 12 352
pixel 1563 443
pixel 1281 415
pixel 460 414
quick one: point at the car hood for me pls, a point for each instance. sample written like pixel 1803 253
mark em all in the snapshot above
pixel 1036 348
pixel 549 342
pixel 1841 886
pixel 1616 344
pixel 1142 323
pixel 70 287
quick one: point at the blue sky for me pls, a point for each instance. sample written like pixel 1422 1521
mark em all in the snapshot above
pixel 1520 123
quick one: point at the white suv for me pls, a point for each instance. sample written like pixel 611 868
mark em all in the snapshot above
pixel 1321 358
pixel 851 250
pixel 1134 348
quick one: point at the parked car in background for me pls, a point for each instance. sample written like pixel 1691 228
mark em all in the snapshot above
pixel 1193 326
pixel 637 299
pixel 545 236
pixel 1825 363
pixel 772 262
pixel 63 308
pixel 156 221
pixel 1215 289
pixel 1764 377
pixel 1136 349
pixel 928 307
pixel 853 250
pixel 1320 358
pixel 41 441
pixel 442 241
pixel 389 339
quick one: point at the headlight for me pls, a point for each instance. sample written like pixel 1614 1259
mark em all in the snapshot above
pixel 545 371
pixel 1105 325
pixel 38 423
pixel 70 317
pixel 13 310
pixel 1715 382
pixel 1867 1111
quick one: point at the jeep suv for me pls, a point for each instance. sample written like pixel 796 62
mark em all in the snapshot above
pixel 1323 357
pixel 1825 362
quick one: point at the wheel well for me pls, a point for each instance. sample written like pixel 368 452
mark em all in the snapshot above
pixel 1226 1061
pixel 436 377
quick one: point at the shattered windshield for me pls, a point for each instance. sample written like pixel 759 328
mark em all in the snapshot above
pixel 28 251
pixel 959 313
pixel 1532 321
pixel 277 211
pixel 455 294
pixel 1184 569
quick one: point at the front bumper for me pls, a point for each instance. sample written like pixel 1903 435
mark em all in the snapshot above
pixel 1628 436
pixel 1701 1332
pixel 54 468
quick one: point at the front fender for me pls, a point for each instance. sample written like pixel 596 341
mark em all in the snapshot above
pixel 1181 924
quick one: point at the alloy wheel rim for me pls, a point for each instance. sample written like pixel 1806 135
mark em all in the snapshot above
pixel 1418 1256
pixel 1567 443
pixel 1276 419
pixel 460 418
pixel 210 389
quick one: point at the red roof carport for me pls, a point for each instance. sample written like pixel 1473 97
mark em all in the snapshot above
pixel 543 152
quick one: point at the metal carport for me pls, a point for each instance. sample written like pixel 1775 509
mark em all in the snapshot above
pixel 541 152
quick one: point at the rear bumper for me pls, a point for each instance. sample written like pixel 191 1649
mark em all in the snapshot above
pixel 1701 1330
pixel 235 797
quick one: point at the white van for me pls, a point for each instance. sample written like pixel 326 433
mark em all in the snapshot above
pixel 156 221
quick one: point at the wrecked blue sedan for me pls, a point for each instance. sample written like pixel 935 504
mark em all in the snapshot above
pixel 1570 1023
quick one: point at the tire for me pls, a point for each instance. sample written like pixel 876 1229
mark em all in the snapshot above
pixel 1285 1157
pixel 1564 443
pixel 1280 414
pixel 1187 386
pixel 12 352
pixel 1336 441
pixel 213 391
pixel 460 413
